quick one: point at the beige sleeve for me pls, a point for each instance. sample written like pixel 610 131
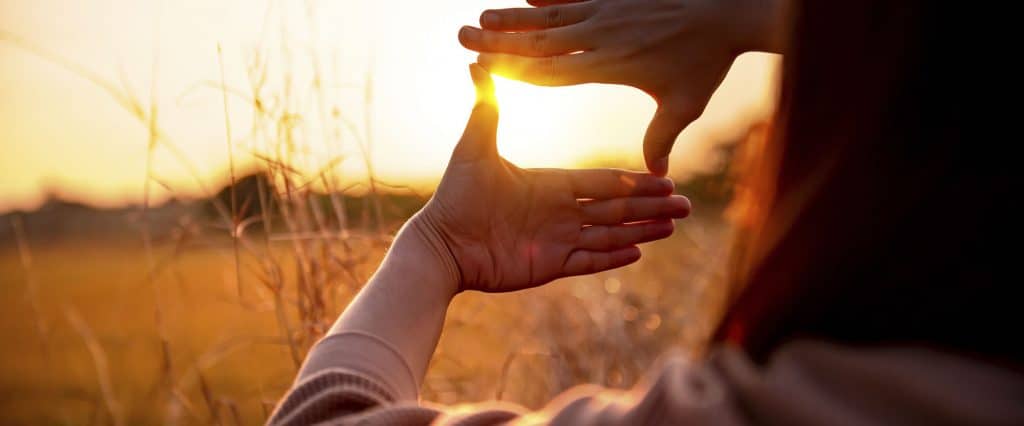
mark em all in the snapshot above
pixel 804 383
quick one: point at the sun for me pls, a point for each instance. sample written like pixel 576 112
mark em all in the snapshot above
pixel 536 123
pixel 538 126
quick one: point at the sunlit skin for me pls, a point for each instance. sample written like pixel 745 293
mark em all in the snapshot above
pixel 494 227
pixel 508 228
pixel 677 51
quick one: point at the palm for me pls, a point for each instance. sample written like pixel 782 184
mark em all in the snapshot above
pixel 521 228
pixel 510 228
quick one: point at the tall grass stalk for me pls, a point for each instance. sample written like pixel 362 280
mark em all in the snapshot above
pixel 301 244
pixel 231 173
pixel 100 363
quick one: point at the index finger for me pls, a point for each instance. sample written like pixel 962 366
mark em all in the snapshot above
pixel 603 184
pixel 525 19
pixel 540 3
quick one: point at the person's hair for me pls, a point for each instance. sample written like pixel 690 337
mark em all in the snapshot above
pixel 881 201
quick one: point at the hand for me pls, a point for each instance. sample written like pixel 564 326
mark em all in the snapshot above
pixel 678 51
pixel 505 228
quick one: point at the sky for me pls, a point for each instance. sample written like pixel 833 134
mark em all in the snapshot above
pixel 62 133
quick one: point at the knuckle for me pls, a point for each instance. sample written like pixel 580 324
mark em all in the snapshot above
pixel 543 70
pixel 553 17
pixel 539 42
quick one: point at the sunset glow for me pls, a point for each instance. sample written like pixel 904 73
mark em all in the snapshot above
pixel 63 133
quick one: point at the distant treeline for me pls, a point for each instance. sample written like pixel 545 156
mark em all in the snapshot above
pixel 253 194
pixel 386 210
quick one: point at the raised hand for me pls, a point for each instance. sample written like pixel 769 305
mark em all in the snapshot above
pixel 506 228
pixel 678 51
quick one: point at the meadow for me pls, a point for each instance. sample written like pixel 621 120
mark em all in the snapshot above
pixel 203 315
pixel 103 330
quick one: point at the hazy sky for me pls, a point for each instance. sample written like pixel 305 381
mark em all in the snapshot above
pixel 60 132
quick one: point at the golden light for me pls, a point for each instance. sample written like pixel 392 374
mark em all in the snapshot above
pixel 65 133
pixel 529 123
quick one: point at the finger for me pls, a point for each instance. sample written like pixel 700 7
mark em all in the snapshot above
pixel 635 209
pixel 550 42
pixel 484 85
pixel 582 262
pixel 562 70
pixel 601 184
pixel 540 3
pixel 661 134
pixel 524 19
pixel 605 238
pixel 480 136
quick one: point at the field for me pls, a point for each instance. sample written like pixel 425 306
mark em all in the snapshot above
pixel 201 312
pixel 101 330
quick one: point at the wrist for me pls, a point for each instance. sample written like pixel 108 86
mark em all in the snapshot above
pixel 422 250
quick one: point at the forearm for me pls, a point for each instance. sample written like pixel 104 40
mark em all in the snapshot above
pixel 391 328
pixel 759 25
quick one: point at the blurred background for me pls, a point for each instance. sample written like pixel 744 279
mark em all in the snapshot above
pixel 193 190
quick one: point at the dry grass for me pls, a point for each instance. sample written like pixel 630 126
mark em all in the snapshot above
pixel 209 324
pixel 229 360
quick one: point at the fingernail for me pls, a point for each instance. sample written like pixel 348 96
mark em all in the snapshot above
pixel 490 19
pixel 469 34
pixel 682 206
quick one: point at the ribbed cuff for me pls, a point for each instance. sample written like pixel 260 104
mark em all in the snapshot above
pixel 367 355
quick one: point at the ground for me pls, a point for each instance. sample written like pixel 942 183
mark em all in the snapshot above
pixel 82 324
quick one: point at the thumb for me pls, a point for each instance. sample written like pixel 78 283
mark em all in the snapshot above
pixel 665 127
pixel 481 134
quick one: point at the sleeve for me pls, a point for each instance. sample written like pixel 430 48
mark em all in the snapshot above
pixel 814 383
pixel 358 378
pixel 355 378
pixel 804 383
